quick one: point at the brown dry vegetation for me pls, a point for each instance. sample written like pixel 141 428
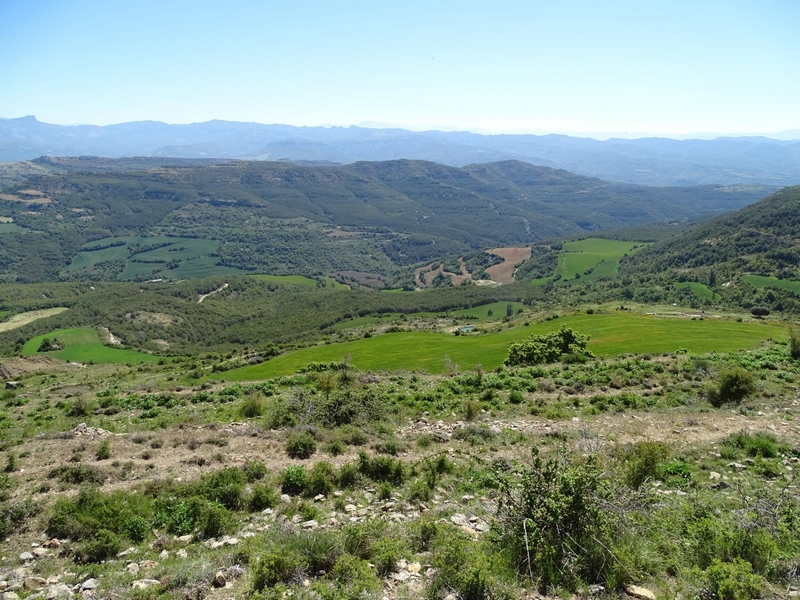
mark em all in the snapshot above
pixel 504 272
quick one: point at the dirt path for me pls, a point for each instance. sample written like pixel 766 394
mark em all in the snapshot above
pixel 204 296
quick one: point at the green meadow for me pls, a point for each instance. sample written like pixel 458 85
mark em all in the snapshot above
pixel 611 335
pixel 698 289
pixel 487 312
pixel 592 253
pixel 6 227
pixel 83 344
pixel 758 281
pixel 193 255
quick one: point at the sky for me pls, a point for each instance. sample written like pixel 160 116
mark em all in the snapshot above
pixel 670 67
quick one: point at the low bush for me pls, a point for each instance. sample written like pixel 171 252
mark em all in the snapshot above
pixel 643 462
pixel 732 581
pixel 263 496
pixel 301 445
pixel 294 480
pixel 732 386
pixel 381 468
pixel 320 480
pixel 103 450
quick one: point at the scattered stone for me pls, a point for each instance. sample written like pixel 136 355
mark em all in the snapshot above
pixel 350 508
pixel 143 584
pixel 59 591
pixel 126 552
pixel 35 583
pixel 185 539
pixel 147 564
pixel 312 524
pixel 219 580
pixel 26 556
pixel 286 498
pixel 3 586
pixel 90 584
pixel 10 596
pixel 737 466
pixel 460 520
pixel 414 568
pixel 402 576
pixel 132 568
pixel 319 497
pixel 596 589
pixel 54 543
pixel 232 541
pixel 39 552
pixel 713 475
pixel 164 555
pixel 182 553
pixel 639 592
pixel 481 526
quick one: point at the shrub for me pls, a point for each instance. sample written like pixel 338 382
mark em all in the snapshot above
pixel 392 447
pixel 12 464
pixel 354 577
pixel 105 544
pixel 558 528
pixel 103 450
pixel 335 448
pixel 732 581
pixel 794 343
pixel 275 567
pixel 226 487
pixel 301 445
pixel 136 528
pixel 547 348
pixel 385 554
pixel 471 410
pixel 381 468
pixel 294 480
pixel 78 474
pixel 515 397
pixel 13 516
pixel 643 461
pixel 253 406
pixel 263 496
pixel 348 475
pixel 320 479
pixel 733 385
pixel 255 470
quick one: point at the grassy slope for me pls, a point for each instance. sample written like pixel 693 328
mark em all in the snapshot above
pixel 20 319
pixel 611 334
pixel 83 344
pixel 759 282
pixel 601 254
pixel 698 289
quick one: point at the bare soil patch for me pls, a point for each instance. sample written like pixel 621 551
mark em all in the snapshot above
pixel 430 273
pixel 504 272
pixel 151 318
pixel 20 319
pixel 375 280
pixel 22 365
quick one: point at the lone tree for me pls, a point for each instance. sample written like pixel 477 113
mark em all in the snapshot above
pixel 759 311
pixel 547 348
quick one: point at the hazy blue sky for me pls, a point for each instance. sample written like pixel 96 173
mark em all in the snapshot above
pixel 670 67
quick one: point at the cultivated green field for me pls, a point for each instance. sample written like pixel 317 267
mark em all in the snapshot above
pixel 759 282
pixel 11 228
pixel 498 311
pixel 301 280
pixel 698 289
pixel 193 255
pixel 601 255
pixel 83 344
pixel 611 334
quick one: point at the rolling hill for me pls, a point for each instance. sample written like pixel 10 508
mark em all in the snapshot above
pixel 283 218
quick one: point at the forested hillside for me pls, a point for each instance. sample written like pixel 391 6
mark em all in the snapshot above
pixel 285 218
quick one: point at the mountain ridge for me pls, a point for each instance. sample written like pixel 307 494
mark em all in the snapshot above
pixel 647 161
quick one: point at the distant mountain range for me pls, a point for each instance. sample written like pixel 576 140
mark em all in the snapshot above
pixel 645 161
